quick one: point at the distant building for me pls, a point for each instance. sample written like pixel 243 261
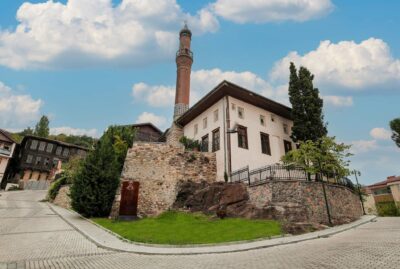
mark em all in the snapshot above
pixel 7 149
pixel 387 190
pixel 146 132
pixel 38 157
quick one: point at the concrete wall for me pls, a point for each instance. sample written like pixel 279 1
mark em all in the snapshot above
pixel 395 189
pixel 302 201
pixel 369 205
pixel 159 168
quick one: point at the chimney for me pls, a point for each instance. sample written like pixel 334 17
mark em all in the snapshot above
pixel 184 61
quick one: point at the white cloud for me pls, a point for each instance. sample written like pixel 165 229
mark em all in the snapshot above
pixel 17 110
pixel 380 133
pixel 338 101
pixel 89 32
pixel 202 81
pixel 158 121
pixel 73 131
pixel 347 64
pixel 271 10
pixel 362 146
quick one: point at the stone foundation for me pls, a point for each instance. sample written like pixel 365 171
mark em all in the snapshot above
pixel 288 201
pixel 160 168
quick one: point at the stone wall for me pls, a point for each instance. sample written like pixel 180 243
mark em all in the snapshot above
pixel 174 135
pixel 160 168
pixel 62 199
pixel 288 201
pixel 303 201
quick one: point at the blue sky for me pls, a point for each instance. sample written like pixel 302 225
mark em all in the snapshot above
pixel 89 64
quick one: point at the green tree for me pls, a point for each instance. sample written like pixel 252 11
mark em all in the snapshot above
pixel 96 182
pixel 42 127
pixel 307 114
pixel 324 156
pixel 395 126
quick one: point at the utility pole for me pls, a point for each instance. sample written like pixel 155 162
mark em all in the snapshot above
pixel 359 190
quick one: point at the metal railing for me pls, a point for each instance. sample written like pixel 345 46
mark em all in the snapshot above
pixel 283 172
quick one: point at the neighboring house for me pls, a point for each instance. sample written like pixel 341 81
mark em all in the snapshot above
pixel 387 190
pixel 39 157
pixel 243 128
pixel 146 132
pixel 7 149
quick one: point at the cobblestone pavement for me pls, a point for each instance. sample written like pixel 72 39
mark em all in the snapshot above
pixel 31 236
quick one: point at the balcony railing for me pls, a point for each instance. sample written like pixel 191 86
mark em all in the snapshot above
pixel 185 52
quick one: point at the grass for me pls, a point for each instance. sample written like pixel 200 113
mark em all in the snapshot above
pixel 178 228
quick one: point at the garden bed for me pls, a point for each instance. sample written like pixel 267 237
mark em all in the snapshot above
pixel 179 228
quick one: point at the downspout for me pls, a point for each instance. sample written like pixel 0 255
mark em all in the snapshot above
pixel 228 136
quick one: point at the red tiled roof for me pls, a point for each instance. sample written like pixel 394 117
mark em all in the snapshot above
pixel 389 180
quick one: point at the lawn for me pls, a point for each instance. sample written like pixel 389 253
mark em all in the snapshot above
pixel 178 228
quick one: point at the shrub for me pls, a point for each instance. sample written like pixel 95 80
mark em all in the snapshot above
pixel 56 186
pixel 190 144
pixel 387 209
pixel 95 184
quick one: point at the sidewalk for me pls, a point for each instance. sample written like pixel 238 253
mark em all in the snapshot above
pixel 108 240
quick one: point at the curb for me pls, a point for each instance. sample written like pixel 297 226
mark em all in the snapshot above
pixel 195 248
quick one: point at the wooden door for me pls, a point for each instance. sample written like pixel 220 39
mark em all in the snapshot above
pixel 129 198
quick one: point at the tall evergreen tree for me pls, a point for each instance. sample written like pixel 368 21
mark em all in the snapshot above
pixel 395 126
pixel 94 187
pixel 42 127
pixel 307 114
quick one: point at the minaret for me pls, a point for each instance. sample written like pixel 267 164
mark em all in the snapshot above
pixel 184 61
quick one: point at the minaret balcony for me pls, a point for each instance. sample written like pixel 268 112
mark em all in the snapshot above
pixel 184 52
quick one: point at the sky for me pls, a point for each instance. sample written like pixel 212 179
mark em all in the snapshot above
pixel 88 64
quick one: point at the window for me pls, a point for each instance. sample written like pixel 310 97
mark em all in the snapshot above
pixel 58 150
pixel 285 128
pixel 66 152
pixel 204 143
pixel 272 117
pixel 215 140
pixel 241 112
pixel 204 123
pixel 242 137
pixel 42 145
pixel 29 159
pixel 288 145
pixel 55 162
pixel 262 120
pixel 196 129
pixel 49 147
pixel 233 106
pixel 46 161
pixel 216 115
pixel 38 160
pixel 265 145
pixel 34 144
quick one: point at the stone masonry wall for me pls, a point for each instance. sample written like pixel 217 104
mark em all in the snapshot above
pixel 62 199
pixel 160 168
pixel 302 201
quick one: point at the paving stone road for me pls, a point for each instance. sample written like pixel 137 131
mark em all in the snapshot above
pixel 32 236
